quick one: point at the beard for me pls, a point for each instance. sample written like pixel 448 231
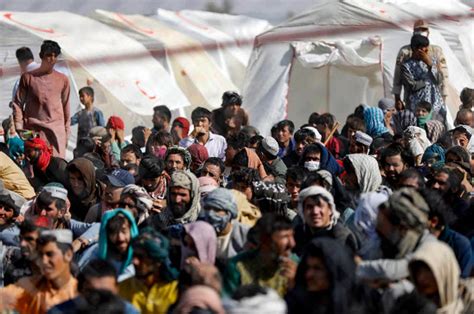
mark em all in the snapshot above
pixel 179 210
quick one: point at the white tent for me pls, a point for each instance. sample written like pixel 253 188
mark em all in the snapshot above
pixel 132 62
pixel 336 56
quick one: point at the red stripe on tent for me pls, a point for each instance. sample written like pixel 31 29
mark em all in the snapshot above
pixel 204 27
pixel 8 16
pixel 137 83
pixel 134 25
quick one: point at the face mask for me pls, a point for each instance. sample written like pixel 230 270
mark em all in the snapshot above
pixel 218 222
pixel 160 152
pixel 424 33
pixel 311 165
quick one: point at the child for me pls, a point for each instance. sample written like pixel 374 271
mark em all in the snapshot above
pixel 90 116
pixel 429 120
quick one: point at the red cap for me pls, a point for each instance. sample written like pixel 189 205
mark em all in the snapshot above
pixel 116 123
pixel 185 123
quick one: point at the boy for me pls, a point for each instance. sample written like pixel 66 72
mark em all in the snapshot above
pixel 88 117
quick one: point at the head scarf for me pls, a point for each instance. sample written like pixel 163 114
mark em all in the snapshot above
pixel 116 123
pixel 103 236
pixel 365 216
pixel 222 199
pixel 417 140
pixel 198 153
pixel 374 121
pixel 341 269
pixel 270 302
pixel 403 119
pixel 434 151
pixel 207 184
pixel 327 161
pixel 443 264
pixel 16 146
pixel 366 169
pixel 86 168
pixel 45 157
pixel 205 240
pixel 143 200
pixel 409 207
pixel 181 151
pixel 186 180
pixel 421 121
pixel 460 152
pixel 157 247
pixel 434 130
pixel 255 162
pixel 386 104
pixel 185 123
pixel 314 191
pixel 201 297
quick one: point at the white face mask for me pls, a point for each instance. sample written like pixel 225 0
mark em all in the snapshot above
pixel 424 33
pixel 311 165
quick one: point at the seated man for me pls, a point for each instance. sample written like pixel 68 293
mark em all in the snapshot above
pixel 46 168
pixel 54 285
pixel 360 143
pixel 98 274
pixel 115 182
pixel 154 287
pixel 320 219
pixel 271 264
pixel 183 201
pixel 19 262
pixel 117 230
pixel 220 211
pixel 10 204
pixel 268 152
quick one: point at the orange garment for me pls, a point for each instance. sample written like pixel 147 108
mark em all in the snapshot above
pixel 42 104
pixel 255 162
pixel 35 295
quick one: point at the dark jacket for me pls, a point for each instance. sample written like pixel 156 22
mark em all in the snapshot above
pixel 304 235
pixel 55 172
pixel 344 295
pixel 461 248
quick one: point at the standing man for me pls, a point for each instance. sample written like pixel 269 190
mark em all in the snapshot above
pixel 419 28
pixel 41 102
pixel 421 77
pixel 161 119
pixel 215 144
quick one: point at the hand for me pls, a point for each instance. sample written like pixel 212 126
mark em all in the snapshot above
pixel 113 134
pixel 425 57
pixel 120 135
pixel 199 130
pixel 158 205
pixel 146 134
pixel 288 270
pixel 79 244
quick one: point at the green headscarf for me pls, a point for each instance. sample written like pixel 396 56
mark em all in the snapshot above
pixel 103 236
pixel 421 121
pixel 157 247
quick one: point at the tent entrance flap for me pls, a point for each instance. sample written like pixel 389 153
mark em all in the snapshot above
pixel 335 78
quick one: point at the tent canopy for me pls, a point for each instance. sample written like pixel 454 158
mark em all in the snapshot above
pixel 279 85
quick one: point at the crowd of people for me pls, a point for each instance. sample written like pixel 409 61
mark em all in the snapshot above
pixel 208 215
